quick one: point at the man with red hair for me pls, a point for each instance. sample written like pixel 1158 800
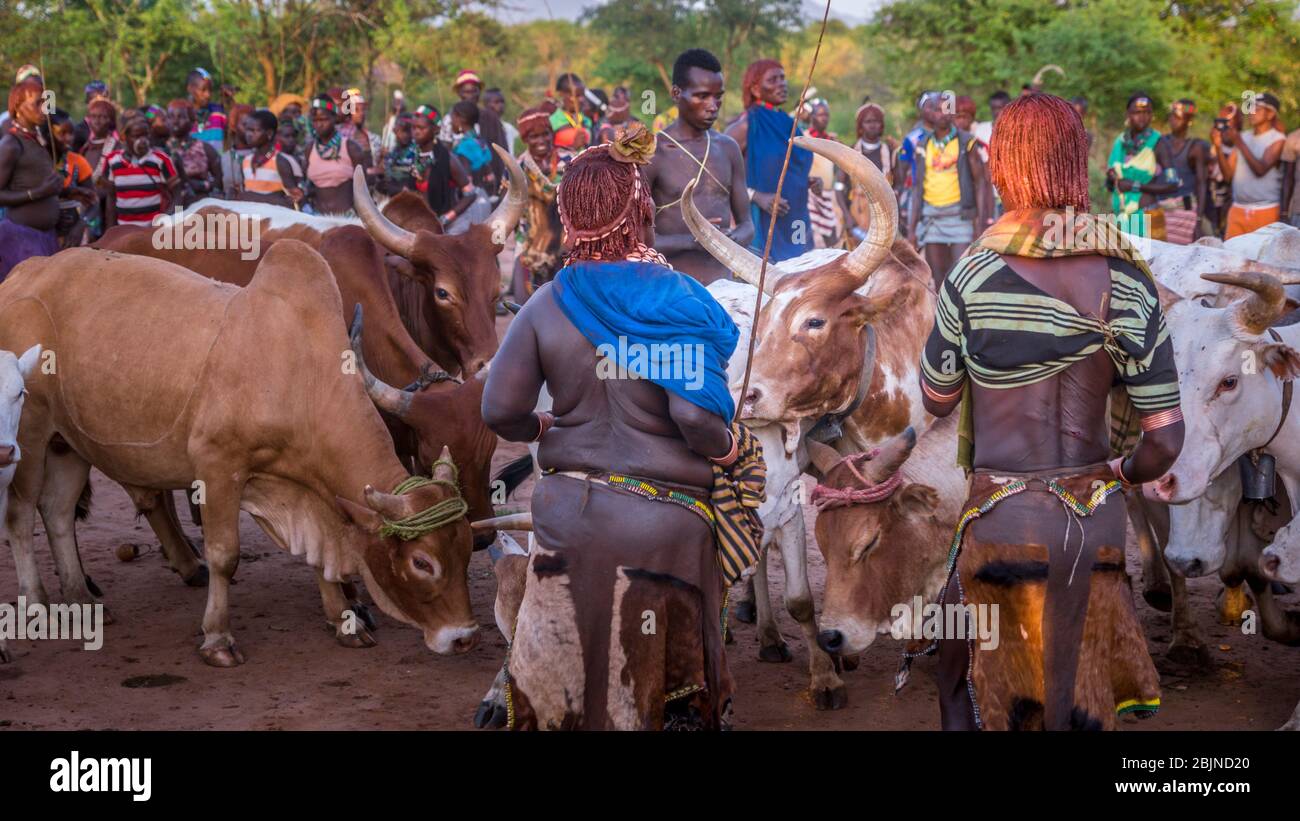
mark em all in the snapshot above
pixel 762 133
pixel 1033 326
pixel 635 453
pixel 29 185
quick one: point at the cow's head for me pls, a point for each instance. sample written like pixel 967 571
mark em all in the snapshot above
pixel 420 581
pixel 459 272
pixel 1230 374
pixel 1280 561
pixel 443 415
pixel 812 328
pixel 14 371
pixel 879 554
pixel 1198 530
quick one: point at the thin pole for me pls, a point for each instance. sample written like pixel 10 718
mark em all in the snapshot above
pixel 771 223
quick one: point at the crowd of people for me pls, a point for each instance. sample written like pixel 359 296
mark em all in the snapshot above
pixel 128 165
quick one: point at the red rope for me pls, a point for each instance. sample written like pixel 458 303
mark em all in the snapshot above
pixel 825 497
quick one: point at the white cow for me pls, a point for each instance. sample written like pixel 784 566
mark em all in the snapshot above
pixel 14 371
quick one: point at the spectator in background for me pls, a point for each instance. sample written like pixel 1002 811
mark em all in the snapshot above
pixel 101 117
pixel 1139 171
pixel 232 160
pixel 353 127
pixel 469 88
pixel 95 90
pixel 1190 159
pixel 398 109
pixel 496 101
pixel 198 162
pixel 905 170
pixel 572 128
pixel 400 160
pixel 823 207
pixel 29 183
pixel 209 117
pixel 158 130
pixel 77 200
pixel 141 179
pixel 1291 178
pixel 1250 159
pixel 467 144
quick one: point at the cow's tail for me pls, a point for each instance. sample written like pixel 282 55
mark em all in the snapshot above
pixel 514 473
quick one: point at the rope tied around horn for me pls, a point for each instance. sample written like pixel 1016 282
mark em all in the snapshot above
pixel 430 519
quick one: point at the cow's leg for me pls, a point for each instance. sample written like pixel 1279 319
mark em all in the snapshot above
pixel 771 645
pixel 20 517
pixel 349 629
pixel 827 688
pixel 1275 621
pixel 65 477
pixel 1156 585
pixel 159 509
pixel 221 543
pixel 1186 646
pixel 742 602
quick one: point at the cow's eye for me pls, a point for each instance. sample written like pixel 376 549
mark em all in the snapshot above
pixel 815 322
pixel 422 565
pixel 1229 383
pixel 862 551
pixel 441 293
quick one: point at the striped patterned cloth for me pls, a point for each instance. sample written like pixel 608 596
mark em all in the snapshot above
pixel 139 184
pixel 738 490
pixel 1003 332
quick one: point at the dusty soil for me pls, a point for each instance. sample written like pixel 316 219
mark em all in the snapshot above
pixel 297 677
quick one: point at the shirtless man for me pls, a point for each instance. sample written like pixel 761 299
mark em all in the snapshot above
pixel 602 535
pixel 1038 387
pixel 690 150
pixel 29 185
pixel 330 160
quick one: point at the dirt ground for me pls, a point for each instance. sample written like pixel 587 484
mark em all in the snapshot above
pixel 148 674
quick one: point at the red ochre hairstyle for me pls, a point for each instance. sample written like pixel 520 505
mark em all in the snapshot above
pixel 29 87
pixel 1038 155
pixel 604 204
pixel 753 76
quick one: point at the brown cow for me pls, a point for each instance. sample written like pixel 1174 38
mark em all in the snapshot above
pixel 164 379
pixel 882 553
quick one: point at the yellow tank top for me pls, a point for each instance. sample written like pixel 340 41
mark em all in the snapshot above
pixel 942 186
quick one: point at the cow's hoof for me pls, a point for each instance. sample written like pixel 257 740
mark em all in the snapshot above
pixel 222 655
pixel 1187 654
pixel 199 578
pixel 1232 603
pixel 491 715
pixel 850 663
pixel 745 612
pixel 363 613
pixel 830 698
pixel 359 639
pixel 730 638
pixel 94 588
pixel 1159 598
pixel 775 654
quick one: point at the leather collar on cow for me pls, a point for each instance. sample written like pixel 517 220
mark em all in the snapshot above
pixel 830 427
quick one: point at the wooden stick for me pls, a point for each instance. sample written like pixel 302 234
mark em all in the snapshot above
pixel 771 223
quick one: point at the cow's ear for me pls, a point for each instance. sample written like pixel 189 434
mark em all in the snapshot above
pixel 359 515
pixel 916 500
pixel 401 265
pixel 1168 297
pixel 1282 360
pixel 865 309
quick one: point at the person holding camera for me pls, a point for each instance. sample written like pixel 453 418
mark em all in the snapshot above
pixel 1251 160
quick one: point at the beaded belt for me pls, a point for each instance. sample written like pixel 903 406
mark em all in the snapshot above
pixel 643 488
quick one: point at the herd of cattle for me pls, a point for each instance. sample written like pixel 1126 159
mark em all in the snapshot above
pixel 306 385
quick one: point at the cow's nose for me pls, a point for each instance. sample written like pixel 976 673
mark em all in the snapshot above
pixel 1187 568
pixel 1270 563
pixel 1164 487
pixel 832 641
pixel 7 455
pixel 465 643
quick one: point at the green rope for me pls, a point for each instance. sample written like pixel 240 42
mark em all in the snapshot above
pixel 432 518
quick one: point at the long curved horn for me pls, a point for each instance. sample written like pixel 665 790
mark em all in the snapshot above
pixel 872 251
pixel 740 261
pixel 514 521
pixel 1038 78
pixel 824 457
pixel 507 214
pixel 382 230
pixel 1285 274
pixel 1265 304
pixel 385 396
